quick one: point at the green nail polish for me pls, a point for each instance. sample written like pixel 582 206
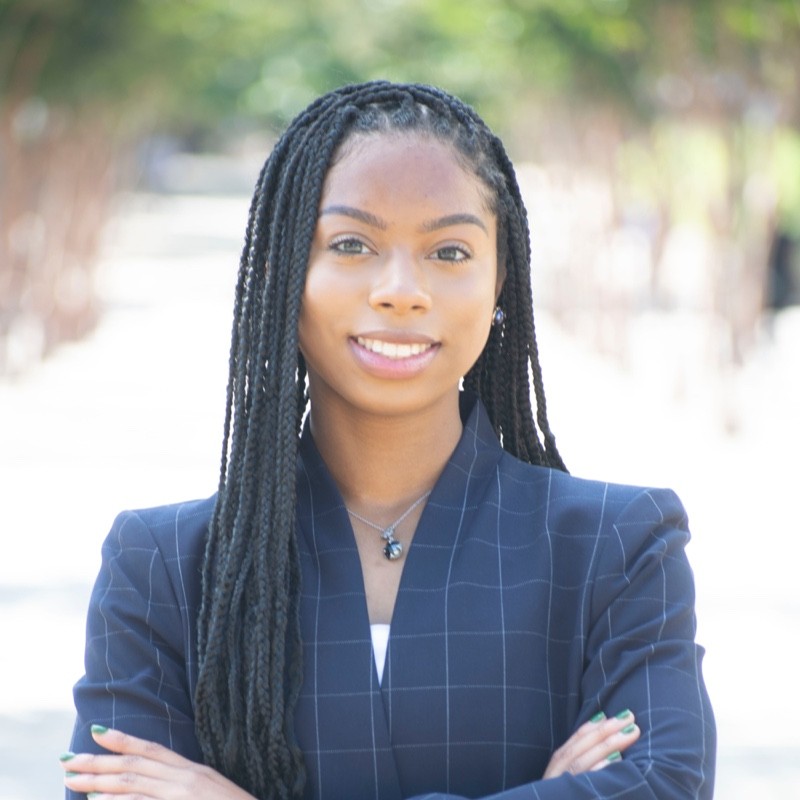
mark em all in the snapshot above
pixel 72 774
pixel 615 756
pixel 624 714
pixel 99 729
pixel 598 717
pixel 628 729
pixel 66 756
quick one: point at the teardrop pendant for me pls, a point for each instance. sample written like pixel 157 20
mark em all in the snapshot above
pixel 393 549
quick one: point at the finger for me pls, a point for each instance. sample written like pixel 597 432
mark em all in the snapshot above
pixel 97 764
pixel 599 727
pixel 117 785
pixel 119 742
pixel 610 750
pixel 592 743
pixel 593 733
pixel 610 740
pixel 566 758
pixel 146 779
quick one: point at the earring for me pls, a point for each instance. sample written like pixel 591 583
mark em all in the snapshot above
pixel 499 317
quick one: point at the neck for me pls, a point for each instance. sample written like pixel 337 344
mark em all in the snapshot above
pixel 385 462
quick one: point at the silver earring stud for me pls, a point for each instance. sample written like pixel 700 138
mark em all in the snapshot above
pixel 498 318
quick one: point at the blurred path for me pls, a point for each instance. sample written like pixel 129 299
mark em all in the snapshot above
pixel 128 418
pixel 132 417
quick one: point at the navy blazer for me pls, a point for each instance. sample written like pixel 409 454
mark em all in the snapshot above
pixel 529 601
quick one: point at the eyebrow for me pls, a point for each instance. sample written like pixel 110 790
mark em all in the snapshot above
pixel 453 219
pixel 432 225
pixel 356 213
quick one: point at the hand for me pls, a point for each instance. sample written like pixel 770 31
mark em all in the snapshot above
pixel 595 745
pixel 145 771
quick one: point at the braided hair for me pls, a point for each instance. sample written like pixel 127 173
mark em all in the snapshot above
pixel 249 644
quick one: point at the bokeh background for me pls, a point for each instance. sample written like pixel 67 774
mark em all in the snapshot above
pixel 658 146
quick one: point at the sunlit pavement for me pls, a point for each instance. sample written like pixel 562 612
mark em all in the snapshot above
pixel 132 417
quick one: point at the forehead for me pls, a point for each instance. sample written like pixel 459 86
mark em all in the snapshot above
pixel 377 166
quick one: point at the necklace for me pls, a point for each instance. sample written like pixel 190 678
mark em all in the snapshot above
pixel 392 549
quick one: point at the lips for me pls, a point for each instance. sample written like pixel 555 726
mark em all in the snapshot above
pixel 394 355
pixel 393 350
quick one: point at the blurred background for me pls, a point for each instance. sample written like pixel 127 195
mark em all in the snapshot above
pixel 658 146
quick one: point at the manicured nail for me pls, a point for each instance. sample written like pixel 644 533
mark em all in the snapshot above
pixel 94 794
pixel 624 714
pixel 99 729
pixel 628 729
pixel 600 715
pixel 66 756
pixel 71 774
pixel 615 756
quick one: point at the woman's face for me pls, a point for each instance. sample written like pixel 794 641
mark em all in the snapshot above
pixel 402 277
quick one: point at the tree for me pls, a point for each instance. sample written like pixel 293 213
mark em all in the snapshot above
pixel 568 81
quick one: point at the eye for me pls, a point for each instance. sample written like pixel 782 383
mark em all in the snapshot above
pixel 349 246
pixel 452 252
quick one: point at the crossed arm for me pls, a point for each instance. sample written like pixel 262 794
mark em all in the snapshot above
pixel 137 769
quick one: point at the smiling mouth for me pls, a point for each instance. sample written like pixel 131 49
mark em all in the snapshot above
pixel 392 349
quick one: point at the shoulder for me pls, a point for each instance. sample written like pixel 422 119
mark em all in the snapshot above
pixel 178 528
pixel 571 502
pixel 152 558
pixel 620 539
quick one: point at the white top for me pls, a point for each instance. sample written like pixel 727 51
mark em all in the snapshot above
pixel 380 641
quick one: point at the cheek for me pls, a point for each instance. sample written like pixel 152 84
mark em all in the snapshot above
pixel 471 320
pixel 480 330
pixel 477 300
pixel 324 304
pixel 309 330
pixel 329 287
pixel 308 320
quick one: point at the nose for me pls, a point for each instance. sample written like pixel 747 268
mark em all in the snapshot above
pixel 400 285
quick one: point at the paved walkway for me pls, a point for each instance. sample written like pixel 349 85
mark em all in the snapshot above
pixel 132 417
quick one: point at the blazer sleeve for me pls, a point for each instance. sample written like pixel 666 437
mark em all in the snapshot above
pixel 137 647
pixel 640 654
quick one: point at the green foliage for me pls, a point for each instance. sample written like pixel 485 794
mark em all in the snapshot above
pixel 67 49
pixel 688 106
pixel 193 63
pixel 785 169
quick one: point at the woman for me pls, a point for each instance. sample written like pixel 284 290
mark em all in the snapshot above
pixel 542 627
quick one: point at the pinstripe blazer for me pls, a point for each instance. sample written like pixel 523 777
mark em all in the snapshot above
pixel 529 601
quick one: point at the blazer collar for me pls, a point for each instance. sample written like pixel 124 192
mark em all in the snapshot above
pixel 322 514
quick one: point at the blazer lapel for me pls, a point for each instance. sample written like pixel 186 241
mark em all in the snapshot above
pixel 416 685
pixel 340 719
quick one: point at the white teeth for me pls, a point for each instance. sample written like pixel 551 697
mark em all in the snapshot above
pixel 392 350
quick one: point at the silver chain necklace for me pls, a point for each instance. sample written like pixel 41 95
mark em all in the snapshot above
pixel 392 549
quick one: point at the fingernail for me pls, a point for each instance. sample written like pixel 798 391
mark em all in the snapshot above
pixel 600 715
pixel 66 756
pixel 71 774
pixel 615 756
pixel 99 729
pixel 94 794
pixel 624 714
pixel 628 728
